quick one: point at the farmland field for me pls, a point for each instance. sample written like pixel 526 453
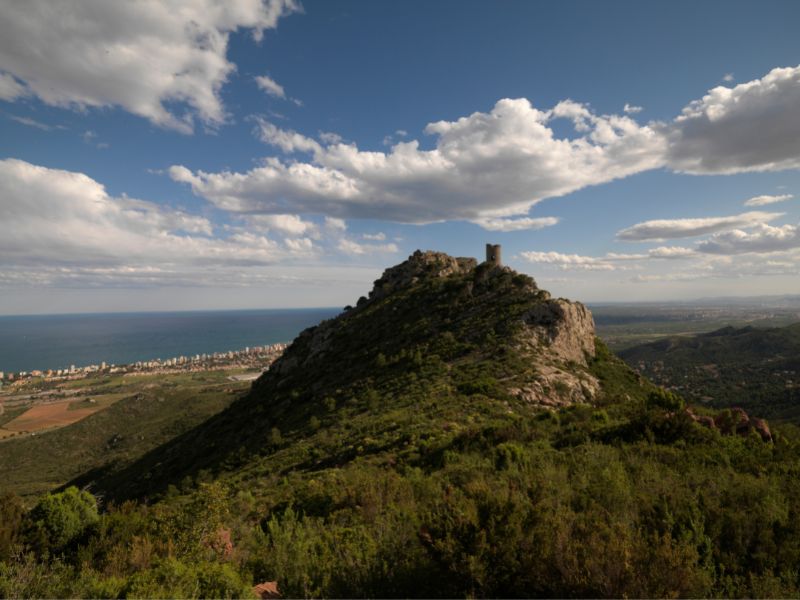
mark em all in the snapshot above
pixel 51 434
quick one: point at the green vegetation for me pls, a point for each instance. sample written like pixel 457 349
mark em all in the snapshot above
pixel 145 413
pixel 756 369
pixel 386 455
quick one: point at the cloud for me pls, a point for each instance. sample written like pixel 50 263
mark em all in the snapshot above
pixel 287 140
pixel 728 78
pixel 670 252
pixel 389 140
pixel 287 224
pixel 348 246
pixel 51 218
pixel 762 200
pixel 164 61
pixel 761 239
pixel 609 262
pixel 516 224
pixel 34 123
pixel 376 237
pixel 663 229
pixel 329 137
pixel 299 245
pixel 630 109
pixel 486 165
pixel 568 261
pixel 270 86
pixel 754 126
pixel 10 88
pixel 498 164
pixel 335 224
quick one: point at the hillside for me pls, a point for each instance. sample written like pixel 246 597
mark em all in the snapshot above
pixel 436 336
pixel 755 368
pixel 149 412
pixel 458 432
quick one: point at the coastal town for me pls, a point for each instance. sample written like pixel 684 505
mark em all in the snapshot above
pixel 257 358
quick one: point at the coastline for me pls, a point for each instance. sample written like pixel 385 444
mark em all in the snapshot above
pixel 249 357
pixel 55 342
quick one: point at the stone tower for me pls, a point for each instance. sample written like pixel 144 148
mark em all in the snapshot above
pixel 493 254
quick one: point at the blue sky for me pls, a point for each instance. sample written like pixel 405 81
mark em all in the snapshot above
pixel 271 154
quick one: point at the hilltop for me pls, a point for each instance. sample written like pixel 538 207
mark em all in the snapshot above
pixel 755 368
pixel 435 337
pixel 456 432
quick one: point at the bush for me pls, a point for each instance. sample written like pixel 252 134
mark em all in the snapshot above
pixel 661 398
pixel 60 519
pixel 171 578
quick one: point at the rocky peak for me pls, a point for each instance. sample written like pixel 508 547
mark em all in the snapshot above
pixel 475 303
pixel 420 265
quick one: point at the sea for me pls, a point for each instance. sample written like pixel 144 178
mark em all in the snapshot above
pixel 59 341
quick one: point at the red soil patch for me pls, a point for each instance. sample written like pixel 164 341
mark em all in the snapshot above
pixel 48 416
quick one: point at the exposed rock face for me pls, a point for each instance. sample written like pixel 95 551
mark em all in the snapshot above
pixel 420 265
pixel 560 334
pixel 554 387
pixel 567 328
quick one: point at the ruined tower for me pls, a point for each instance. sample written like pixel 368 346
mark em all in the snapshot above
pixel 493 255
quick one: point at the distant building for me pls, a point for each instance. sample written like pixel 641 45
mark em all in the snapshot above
pixel 1 375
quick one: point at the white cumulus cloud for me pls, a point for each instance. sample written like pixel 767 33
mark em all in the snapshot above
pixel 54 218
pixel 753 126
pixel 487 165
pixel 288 224
pixel 164 60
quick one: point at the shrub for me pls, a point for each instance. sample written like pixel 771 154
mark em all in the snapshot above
pixel 59 519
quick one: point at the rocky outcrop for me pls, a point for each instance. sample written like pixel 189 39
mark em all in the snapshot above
pixel 733 422
pixel 554 387
pixel 267 590
pixel 565 328
pixel 420 265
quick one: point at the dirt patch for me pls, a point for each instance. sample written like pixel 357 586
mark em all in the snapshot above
pixel 47 416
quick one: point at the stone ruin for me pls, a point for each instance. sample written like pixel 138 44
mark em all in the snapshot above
pixel 493 255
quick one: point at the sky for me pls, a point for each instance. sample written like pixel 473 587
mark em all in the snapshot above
pixel 194 154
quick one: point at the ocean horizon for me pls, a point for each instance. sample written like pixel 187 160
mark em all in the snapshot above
pixel 29 342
